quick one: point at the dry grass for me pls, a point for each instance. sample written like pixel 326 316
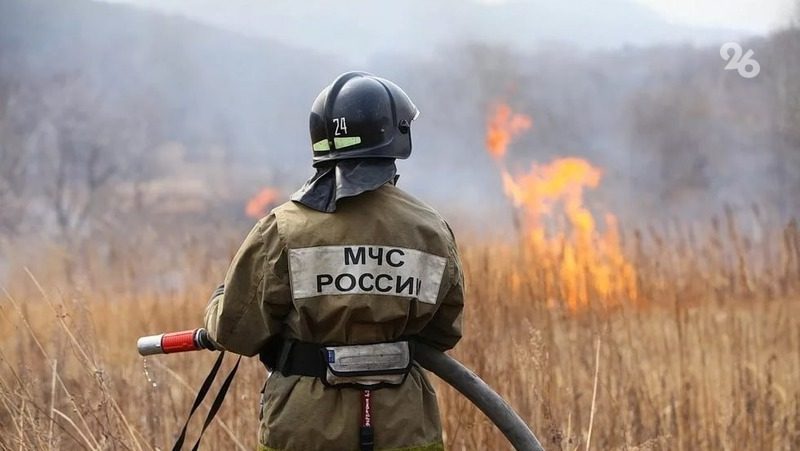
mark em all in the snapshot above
pixel 707 357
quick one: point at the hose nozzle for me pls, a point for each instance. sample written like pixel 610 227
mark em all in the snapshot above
pixel 168 343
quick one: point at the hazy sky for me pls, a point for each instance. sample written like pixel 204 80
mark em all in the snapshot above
pixel 751 15
pixel 746 15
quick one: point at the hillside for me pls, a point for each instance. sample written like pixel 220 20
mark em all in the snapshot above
pixel 673 131
pixel 364 29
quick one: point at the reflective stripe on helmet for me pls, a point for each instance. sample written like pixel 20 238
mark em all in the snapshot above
pixel 321 146
pixel 340 143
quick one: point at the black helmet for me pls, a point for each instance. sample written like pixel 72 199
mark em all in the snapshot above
pixel 361 116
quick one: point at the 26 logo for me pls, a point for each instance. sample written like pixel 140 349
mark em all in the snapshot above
pixel 744 64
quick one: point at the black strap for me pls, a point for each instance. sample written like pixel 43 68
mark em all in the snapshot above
pixel 223 390
pixel 201 394
pixel 366 433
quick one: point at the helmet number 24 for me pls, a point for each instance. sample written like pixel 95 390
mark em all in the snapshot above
pixel 341 126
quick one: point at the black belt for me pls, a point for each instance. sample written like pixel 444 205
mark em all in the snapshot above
pixel 301 359
pixel 297 358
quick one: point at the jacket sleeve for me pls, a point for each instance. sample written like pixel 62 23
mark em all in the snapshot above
pixel 444 329
pixel 256 295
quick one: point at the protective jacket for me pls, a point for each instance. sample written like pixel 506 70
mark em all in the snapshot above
pixel 383 267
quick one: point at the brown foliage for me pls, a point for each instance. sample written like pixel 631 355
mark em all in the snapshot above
pixel 706 358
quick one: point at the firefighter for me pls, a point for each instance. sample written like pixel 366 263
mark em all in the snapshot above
pixel 333 288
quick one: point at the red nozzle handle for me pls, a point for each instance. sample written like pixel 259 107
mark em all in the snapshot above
pixel 179 341
pixel 187 340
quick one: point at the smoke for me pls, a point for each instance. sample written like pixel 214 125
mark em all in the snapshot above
pixel 190 115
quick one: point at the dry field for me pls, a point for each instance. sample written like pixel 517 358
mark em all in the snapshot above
pixel 689 341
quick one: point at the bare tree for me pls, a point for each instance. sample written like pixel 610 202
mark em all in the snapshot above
pixel 670 129
pixel 786 114
pixel 12 181
pixel 85 149
pixel 13 163
pixel 75 163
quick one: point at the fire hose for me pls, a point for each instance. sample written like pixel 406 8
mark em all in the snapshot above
pixel 445 367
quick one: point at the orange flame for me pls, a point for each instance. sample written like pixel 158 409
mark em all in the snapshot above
pixel 260 204
pixel 589 264
pixel 502 127
pixel 563 180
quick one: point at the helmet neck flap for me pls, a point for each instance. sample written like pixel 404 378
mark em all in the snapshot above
pixel 344 178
